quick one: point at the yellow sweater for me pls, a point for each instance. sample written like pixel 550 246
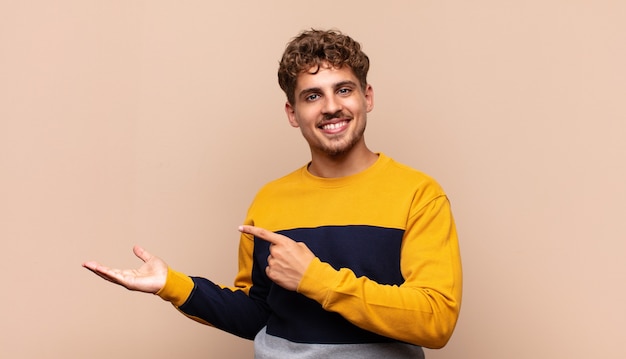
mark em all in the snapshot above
pixel 387 269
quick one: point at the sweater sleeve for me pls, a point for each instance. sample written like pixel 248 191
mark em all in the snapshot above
pixel 240 310
pixel 424 309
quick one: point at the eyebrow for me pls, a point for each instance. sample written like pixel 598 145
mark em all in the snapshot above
pixel 339 84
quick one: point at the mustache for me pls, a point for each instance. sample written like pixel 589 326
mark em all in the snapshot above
pixel 332 116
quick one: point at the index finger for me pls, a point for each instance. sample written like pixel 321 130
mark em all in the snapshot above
pixel 264 234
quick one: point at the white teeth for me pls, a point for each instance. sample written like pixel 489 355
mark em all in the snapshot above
pixel 333 126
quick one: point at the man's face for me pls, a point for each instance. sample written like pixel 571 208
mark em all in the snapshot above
pixel 330 108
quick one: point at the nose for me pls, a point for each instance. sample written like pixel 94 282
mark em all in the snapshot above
pixel 332 105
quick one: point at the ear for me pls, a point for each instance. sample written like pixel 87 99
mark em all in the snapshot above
pixel 369 97
pixel 291 114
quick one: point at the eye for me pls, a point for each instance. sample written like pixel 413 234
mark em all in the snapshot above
pixel 312 97
pixel 344 91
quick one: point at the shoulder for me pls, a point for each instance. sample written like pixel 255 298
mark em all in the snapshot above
pixel 402 174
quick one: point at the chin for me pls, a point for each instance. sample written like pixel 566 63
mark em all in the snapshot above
pixel 338 151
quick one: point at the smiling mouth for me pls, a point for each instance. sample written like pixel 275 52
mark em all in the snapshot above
pixel 334 126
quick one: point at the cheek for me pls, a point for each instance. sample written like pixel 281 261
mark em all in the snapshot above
pixel 306 117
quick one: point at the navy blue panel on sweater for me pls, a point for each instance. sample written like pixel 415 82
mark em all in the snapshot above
pixel 366 250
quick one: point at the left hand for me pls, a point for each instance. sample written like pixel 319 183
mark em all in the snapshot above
pixel 288 259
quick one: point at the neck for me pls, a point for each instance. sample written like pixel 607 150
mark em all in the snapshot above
pixel 341 165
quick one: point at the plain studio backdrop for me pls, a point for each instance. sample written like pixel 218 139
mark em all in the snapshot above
pixel 155 122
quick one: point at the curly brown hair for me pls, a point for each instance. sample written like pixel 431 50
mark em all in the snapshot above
pixel 312 48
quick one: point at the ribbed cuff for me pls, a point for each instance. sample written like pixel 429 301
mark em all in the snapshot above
pixel 318 279
pixel 177 288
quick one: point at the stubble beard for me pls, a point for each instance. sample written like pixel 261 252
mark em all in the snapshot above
pixel 343 146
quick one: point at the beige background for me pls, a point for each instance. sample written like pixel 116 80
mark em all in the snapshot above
pixel 155 122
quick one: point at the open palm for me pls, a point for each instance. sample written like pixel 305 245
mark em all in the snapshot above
pixel 149 277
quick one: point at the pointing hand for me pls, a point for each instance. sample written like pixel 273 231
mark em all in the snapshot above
pixel 288 259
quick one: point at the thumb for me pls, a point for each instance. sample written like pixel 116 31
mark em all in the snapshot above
pixel 142 253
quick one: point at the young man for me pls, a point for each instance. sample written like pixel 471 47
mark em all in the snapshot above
pixel 351 256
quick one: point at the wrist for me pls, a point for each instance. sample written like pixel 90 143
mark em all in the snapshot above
pixel 177 288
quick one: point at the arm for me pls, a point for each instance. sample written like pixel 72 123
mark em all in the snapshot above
pixel 229 309
pixel 240 310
